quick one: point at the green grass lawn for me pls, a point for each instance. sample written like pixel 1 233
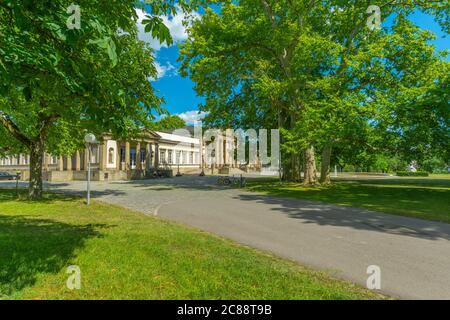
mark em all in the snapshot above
pixel 425 198
pixel 127 255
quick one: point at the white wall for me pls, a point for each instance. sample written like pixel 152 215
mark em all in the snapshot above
pixel 111 144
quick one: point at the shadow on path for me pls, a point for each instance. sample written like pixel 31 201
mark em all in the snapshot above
pixel 355 218
pixel 208 183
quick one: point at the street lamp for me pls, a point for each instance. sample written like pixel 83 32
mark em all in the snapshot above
pixel 202 174
pixel 213 159
pixel 90 140
pixel 202 158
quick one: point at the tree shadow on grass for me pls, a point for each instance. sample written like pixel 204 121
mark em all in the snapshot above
pixel 56 195
pixel 379 196
pixel 22 196
pixel 30 246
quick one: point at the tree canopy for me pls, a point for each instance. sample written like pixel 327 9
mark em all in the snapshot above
pixel 316 70
pixel 169 122
pixel 67 69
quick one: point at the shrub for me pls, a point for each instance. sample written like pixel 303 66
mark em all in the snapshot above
pixel 412 174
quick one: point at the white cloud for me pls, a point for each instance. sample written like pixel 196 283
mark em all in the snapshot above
pixel 165 70
pixel 177 31
pixel 175 25
pixel 191 116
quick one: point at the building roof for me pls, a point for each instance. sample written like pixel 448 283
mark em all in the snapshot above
pixel 189 129
pixel 179 137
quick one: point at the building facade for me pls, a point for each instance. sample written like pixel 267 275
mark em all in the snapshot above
pixel 111 159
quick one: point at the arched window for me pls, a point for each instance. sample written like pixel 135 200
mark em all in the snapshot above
pixel 111 156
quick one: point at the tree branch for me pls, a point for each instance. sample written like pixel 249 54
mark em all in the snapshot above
pixel 13 129
pixel 269 13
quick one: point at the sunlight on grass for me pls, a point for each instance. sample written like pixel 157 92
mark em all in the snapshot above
pixel 127 255
pixel 419 197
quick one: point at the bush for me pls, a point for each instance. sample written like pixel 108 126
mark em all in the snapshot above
pixel 412 174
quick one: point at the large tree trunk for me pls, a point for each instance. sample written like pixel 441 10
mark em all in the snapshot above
pixel 325 165
pixel 36 162
pixel 310 176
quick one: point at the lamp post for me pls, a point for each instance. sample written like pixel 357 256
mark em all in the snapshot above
pixel 90 140
pixel 213 159
pixel 202 158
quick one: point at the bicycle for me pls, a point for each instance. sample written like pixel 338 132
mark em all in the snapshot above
pixel 232 181
pixel 226 181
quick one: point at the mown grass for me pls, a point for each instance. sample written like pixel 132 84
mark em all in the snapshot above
pixel 424 198
pixel 127 255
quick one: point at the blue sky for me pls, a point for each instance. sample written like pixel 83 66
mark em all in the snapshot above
pixel 178 92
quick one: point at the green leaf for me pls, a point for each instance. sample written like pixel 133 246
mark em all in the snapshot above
pixel 112 52
pixel 56 29
pixel 108 44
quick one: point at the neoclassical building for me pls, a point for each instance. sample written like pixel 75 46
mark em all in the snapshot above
pixel 118 160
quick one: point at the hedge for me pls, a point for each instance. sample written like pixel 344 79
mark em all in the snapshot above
pixel 412 174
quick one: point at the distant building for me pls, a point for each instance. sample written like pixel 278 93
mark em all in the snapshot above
pixel 153 152
pixel 118 160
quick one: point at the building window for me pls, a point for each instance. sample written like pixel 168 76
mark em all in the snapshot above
pixel 162 156
pixel 169 156
pixel 184 157
pixel 191 158
pixel 143 155
pixel 122 154
pixel 177 155
pixel 133 158
pixel 111 155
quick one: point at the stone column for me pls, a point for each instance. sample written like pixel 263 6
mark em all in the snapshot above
pixel 118 160
pixel 228 149
pixel 148 156
pixel 138 156
pixel 69 163
pixel 77 161
pixel 127 156
pixel 60 163
pixel 224 152
pixel 103 155
pixel 156 156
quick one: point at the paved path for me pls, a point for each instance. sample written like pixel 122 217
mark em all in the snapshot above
pixel 414 255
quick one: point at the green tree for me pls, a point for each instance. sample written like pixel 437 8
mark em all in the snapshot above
pixel 59 80
pixel 169 122
pixel 312 68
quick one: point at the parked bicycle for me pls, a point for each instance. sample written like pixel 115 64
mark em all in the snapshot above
pixel 232 181
pixel 225 181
